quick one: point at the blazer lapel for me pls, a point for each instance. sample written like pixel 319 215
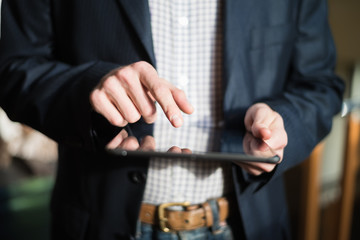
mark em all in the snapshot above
pixel 139 16
pixel 237 14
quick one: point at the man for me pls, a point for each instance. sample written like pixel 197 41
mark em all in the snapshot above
pixel 74 69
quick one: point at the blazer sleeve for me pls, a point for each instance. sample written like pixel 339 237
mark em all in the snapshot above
pixel 313 93
pixel 36 88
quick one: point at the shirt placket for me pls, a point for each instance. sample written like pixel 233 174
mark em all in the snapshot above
pixel 181 20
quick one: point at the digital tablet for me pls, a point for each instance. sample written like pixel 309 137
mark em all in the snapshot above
pixel 194 143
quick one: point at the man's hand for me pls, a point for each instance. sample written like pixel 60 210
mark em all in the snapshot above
pixel 128 93
pixel 124 141
pixel 265 124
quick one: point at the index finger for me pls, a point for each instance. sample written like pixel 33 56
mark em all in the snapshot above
pixel 164 97
pixel 171 99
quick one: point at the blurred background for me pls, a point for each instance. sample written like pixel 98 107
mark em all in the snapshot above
pixel 27 168
pixel 323 192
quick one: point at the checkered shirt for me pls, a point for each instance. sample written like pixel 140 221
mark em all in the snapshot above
pixel 188 50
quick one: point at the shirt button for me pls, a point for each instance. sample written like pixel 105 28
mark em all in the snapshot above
pixel 183 21
pixel 182 82
pixel 137 177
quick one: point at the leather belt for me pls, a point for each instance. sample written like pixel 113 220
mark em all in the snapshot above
pixel 190 218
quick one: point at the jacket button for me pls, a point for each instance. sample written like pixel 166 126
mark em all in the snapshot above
pixel 137 177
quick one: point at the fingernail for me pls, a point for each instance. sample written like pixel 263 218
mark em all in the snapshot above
pixel 176 120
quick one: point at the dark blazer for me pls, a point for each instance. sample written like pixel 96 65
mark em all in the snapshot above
pixel 53 53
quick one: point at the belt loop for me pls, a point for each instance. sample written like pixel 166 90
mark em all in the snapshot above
pixel 215 214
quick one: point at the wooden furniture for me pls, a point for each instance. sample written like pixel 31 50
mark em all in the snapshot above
pixel 351 167
pixel 333 222
pixel 310 195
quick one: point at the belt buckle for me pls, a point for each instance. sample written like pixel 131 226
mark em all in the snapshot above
pixel 161 213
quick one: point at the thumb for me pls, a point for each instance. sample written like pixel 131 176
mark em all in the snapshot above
pixel 260 130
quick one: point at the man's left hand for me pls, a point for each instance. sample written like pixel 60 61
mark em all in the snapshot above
pixel 265 124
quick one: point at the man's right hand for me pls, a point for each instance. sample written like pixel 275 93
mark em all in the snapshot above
pixel 128 93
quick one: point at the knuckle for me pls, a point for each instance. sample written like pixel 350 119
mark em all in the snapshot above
pixel 95 95
pixel 179 92
pixel 142 65
pixel 159 90
pixel 110 82
pixel 96 99
pixel 125 74
pixel 284 143
pixel 144 68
